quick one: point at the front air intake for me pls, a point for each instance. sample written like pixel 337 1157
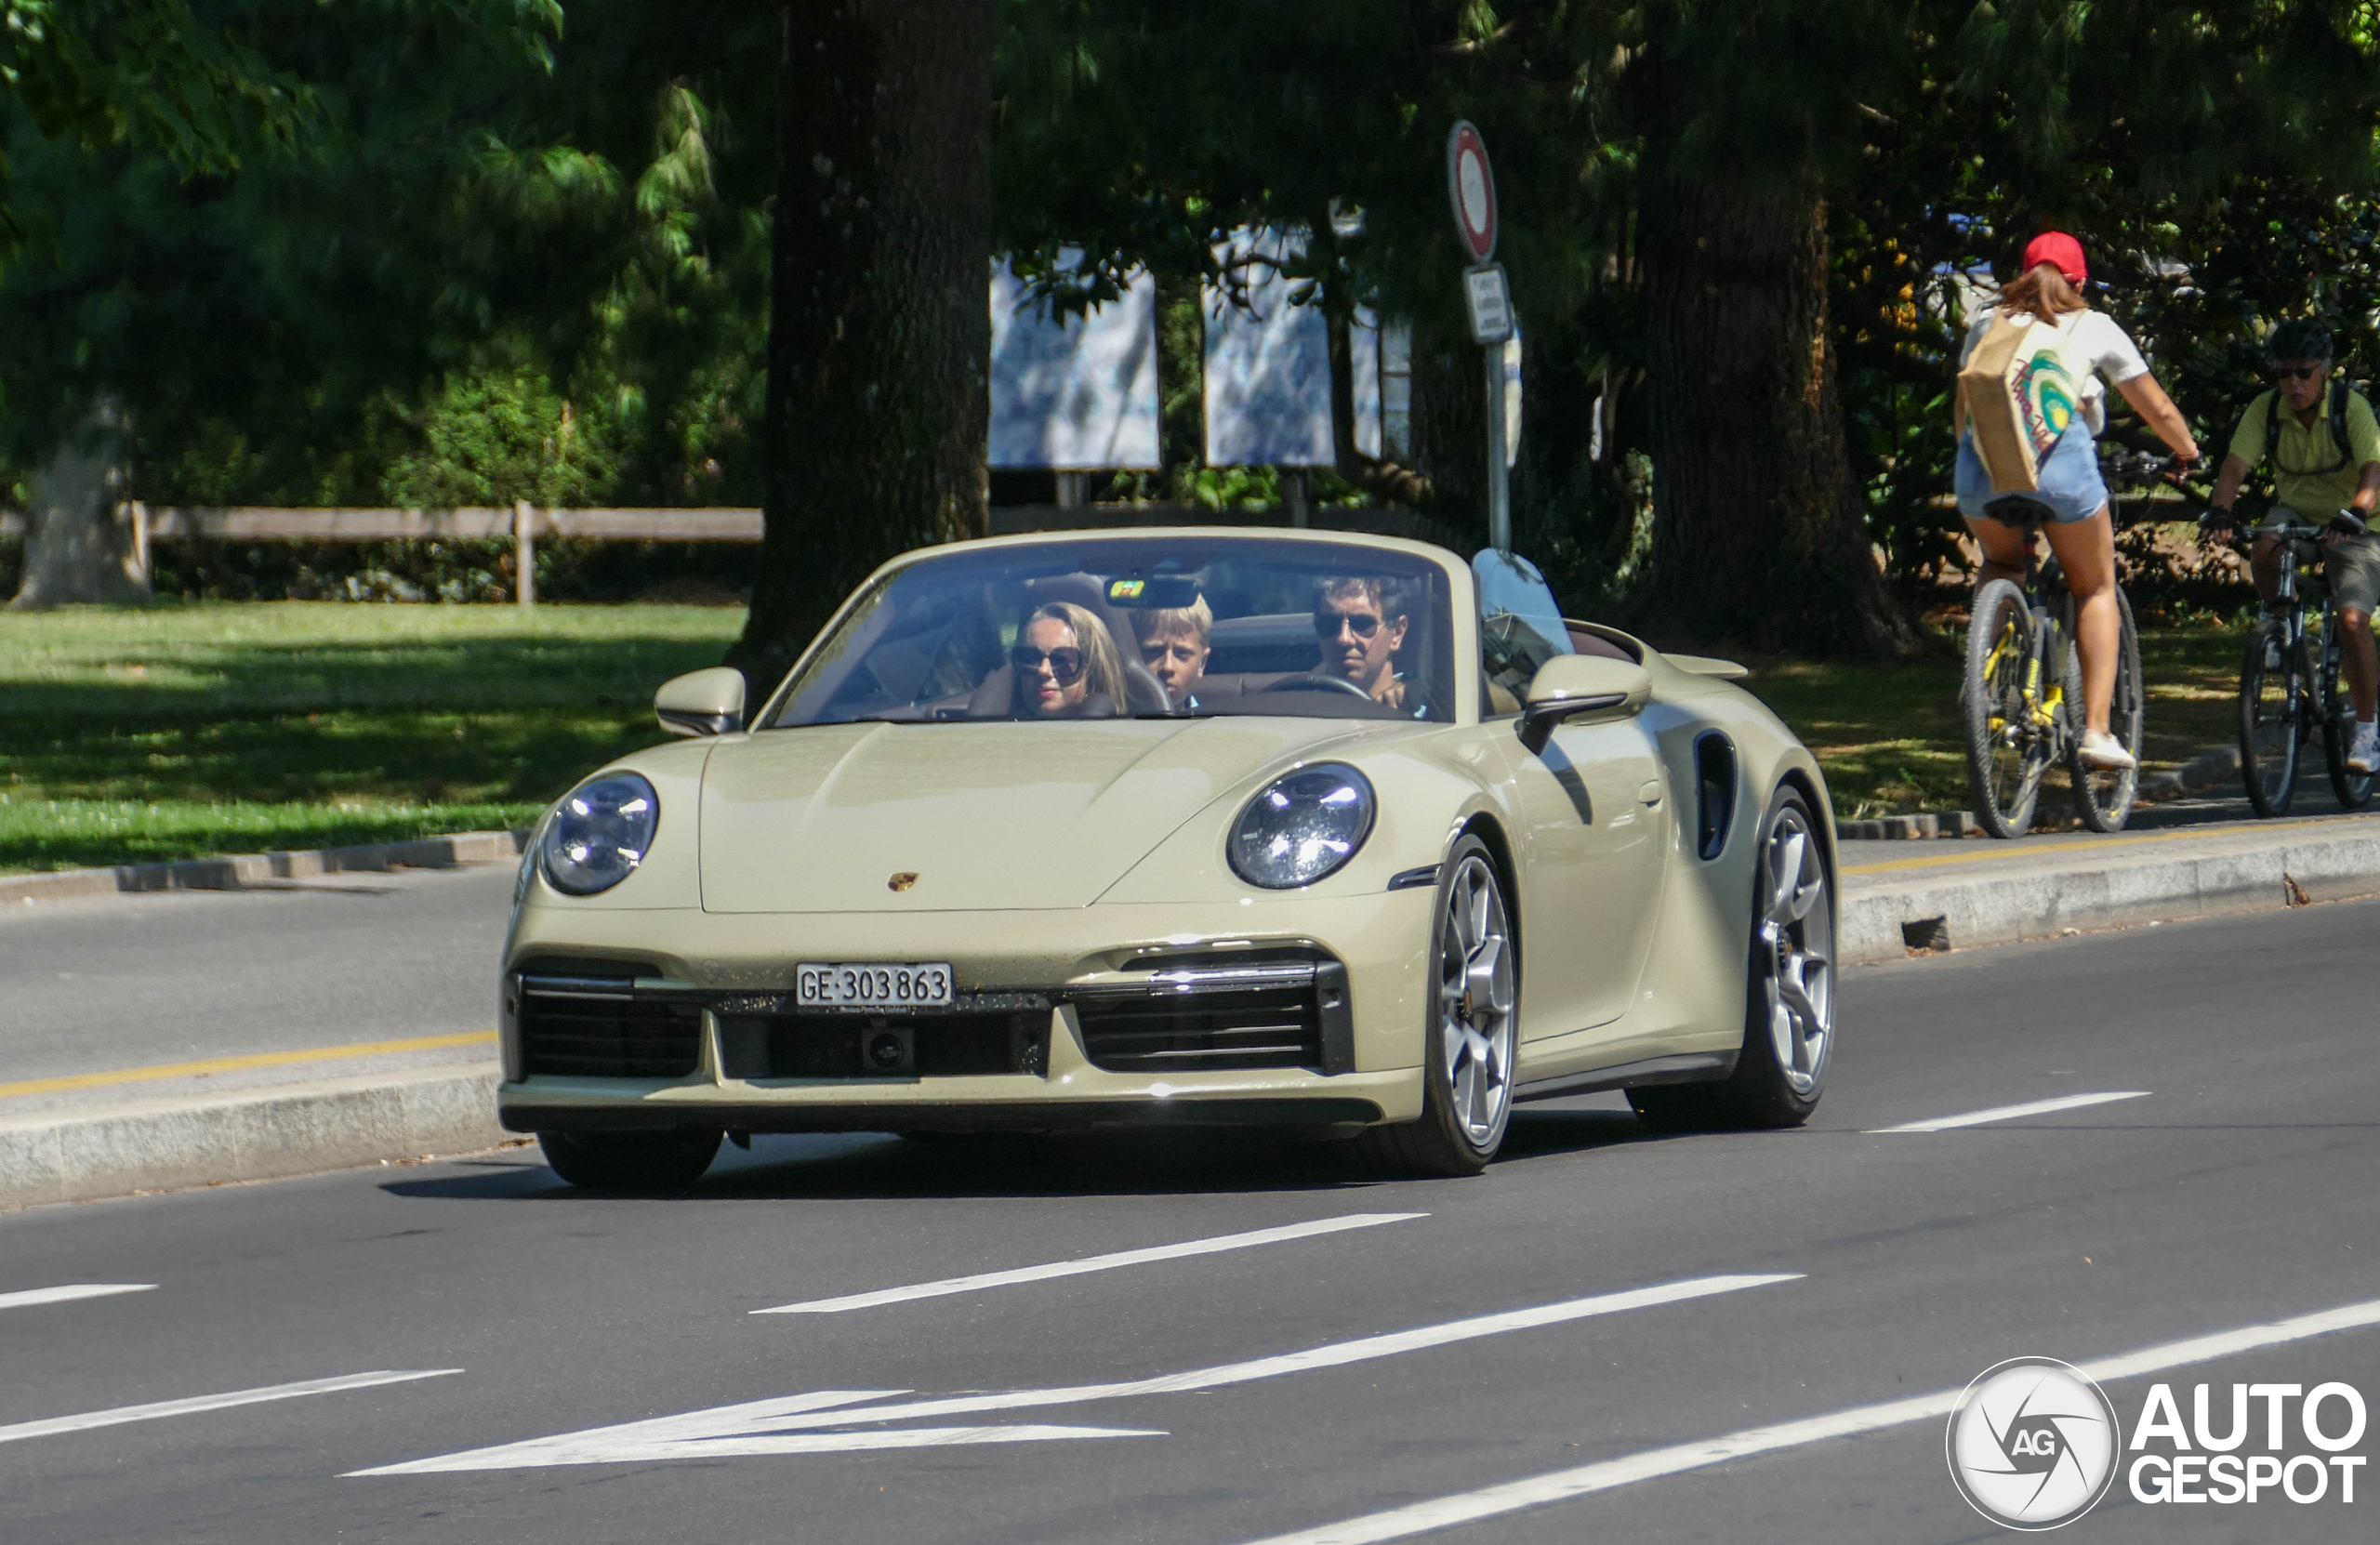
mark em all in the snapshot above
pixel 1221 1014
pixel 589 1026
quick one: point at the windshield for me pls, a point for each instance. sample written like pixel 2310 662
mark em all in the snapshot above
pixel 1136 627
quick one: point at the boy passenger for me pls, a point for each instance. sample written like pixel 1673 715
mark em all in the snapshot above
pixel 1174 645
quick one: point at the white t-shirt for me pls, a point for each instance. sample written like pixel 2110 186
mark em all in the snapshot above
pixel 2093 336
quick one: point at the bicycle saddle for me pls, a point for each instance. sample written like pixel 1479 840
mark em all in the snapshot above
pixel 2021 511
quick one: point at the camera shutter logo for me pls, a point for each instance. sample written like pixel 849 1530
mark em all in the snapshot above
pixel 2034 1444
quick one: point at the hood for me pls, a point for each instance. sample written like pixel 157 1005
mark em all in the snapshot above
pixel 994 815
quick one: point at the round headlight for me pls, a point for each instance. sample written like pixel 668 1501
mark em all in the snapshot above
pixel 1302 827
pixel 599 833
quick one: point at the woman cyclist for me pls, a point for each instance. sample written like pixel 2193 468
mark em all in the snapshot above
pixel 2080 533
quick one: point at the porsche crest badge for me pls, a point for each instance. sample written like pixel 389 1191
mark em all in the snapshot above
pixel 901 881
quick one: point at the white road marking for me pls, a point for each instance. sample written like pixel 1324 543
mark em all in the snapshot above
pixel 1445 1513
pixel 69 1292
pixel 2011 1113
pixel 1092 1263
pixel 771 1426
pixel 213 1402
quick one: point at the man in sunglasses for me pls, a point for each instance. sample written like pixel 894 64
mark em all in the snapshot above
pixel 2325 448
pixel 1358 626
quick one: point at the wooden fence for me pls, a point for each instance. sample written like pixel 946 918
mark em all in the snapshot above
pixel 524 523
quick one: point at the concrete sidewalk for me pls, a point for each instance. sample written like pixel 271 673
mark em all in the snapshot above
pixel 1901 898
pixel 281 1103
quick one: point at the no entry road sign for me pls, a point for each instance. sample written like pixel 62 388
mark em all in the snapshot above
pixel 1471 188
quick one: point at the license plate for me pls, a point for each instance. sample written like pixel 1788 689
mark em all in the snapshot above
pixel 868 985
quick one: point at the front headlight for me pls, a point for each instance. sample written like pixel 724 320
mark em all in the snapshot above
pixel 599 833
pixel 1302 827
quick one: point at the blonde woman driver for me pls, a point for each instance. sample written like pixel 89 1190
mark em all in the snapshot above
pixel 2082 534
pixel 1174 642
pixel 1065 665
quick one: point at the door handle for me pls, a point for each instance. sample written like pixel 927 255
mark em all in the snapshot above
pixel 1649 792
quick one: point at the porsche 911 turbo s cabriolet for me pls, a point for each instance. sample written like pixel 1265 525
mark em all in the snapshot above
pixel 1209 826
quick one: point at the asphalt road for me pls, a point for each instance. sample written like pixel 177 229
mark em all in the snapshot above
pixel 2241 1188
pixel 116 982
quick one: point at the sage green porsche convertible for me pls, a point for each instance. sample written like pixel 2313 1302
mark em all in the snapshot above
pixel 1291 829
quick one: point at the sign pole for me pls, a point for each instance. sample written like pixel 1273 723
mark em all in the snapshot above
pixel 1471 189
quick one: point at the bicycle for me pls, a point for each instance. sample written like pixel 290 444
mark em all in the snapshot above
pixel 2022 696
pixel 2289 683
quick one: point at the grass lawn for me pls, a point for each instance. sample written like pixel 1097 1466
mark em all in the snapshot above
pixel 205 728
pixel 202 728
pixel 1890 739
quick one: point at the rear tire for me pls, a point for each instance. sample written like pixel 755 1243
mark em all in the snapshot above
pixel 2103 799
pixel 1469 1044
pixel 2337 711
pixel 2006 753
pixel 2272 706
pixel 631 1164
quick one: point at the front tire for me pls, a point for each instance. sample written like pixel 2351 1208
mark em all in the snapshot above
pixel 631 1164
pixel 1469 1045
pixel 2007 746
pixel 1788 1008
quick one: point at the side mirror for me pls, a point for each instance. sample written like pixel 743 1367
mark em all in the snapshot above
pixel 701 701
pixel 1571 687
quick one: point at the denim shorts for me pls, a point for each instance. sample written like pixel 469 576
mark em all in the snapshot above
pixel 2070 484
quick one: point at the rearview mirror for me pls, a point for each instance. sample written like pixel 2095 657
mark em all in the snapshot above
pixel 701 701
pixel 1571 687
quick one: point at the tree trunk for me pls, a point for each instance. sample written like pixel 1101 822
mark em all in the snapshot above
pixel 1758 535
pixel 80 542
pixel 1449 428
pixel 880 334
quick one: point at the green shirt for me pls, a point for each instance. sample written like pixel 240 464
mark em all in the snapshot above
pixel 2304 449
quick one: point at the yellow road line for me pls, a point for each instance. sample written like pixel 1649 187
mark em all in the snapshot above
pixel 231 1064
pixel 2137 839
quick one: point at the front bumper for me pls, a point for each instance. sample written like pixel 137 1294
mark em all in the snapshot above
pixel 1046 970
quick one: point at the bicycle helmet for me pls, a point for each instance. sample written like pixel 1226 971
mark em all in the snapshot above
pixel 2300 338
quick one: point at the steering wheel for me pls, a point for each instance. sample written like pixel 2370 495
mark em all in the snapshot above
pixel 1314 681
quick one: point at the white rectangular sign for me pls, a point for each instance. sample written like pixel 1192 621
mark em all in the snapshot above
pixel 1267 394
pixel 1077 395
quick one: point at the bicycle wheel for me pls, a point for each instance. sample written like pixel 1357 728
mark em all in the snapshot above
pixel 2104 799
pixel 2269 709
pixel 2008 741
pixel 2336 710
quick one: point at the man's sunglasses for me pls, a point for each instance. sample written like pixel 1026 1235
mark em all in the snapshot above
pixel 1363 624
pixel 2298 372
pixel 1065 663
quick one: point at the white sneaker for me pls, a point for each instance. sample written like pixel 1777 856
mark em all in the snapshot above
pixel 2104 753
pixel 2364 756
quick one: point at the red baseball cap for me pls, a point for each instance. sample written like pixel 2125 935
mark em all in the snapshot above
pixel 2056 246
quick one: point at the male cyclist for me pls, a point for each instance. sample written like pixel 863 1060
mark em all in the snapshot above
pixel 2325 448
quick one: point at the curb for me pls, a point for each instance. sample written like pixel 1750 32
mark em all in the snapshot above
pixel 2208 768
pixel 1926 916
pixel 237 871
pixel 257 1135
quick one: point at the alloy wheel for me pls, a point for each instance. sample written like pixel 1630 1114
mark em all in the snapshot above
pixel 1797 932
pixel 1476 1002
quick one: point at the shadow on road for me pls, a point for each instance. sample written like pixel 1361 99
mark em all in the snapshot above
pixel 871 1165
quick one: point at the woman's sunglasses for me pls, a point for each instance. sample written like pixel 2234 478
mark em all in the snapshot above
pixel 1327 625
pixel 2299 372
pixel 1065 663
